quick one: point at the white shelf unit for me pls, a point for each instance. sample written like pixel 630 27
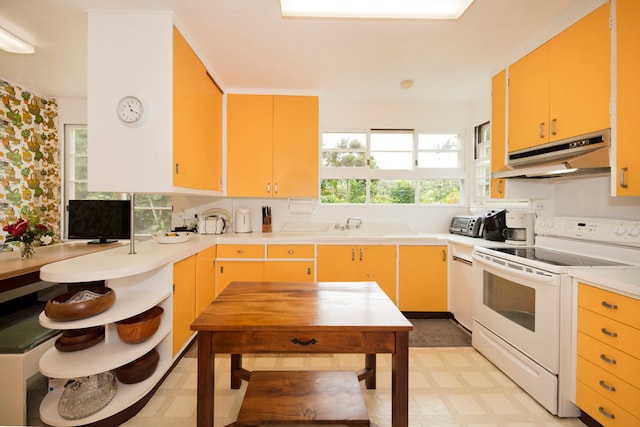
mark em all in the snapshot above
pixel 134 294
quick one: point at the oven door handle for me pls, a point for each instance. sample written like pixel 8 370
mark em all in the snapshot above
pixel 515 270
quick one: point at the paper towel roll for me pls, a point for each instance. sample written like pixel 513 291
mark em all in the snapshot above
pixel 300 206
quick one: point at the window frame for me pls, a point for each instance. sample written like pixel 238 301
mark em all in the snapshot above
pixel 69 172
pixel 416 174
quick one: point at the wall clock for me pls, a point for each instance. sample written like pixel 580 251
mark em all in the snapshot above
pixel 131 110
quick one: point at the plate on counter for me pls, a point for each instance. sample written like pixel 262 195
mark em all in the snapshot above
pixel 173 237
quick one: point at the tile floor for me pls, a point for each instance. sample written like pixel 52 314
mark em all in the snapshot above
pixel 453 386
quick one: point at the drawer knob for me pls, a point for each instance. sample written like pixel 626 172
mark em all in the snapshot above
pixel 610 306
pixel 606 386
pixel 606 359
pixel 608 333
pixel 297 341
pixel 605 413
pixel 290 251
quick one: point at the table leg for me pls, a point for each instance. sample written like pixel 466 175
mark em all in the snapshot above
pixel 370 366
pixel 236 366
pixel 206 371
pixel 400 381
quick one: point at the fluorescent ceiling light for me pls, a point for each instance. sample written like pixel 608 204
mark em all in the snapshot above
pixel 11 43
pixel 381 9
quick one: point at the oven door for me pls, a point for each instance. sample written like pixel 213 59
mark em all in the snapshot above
pixel 520 304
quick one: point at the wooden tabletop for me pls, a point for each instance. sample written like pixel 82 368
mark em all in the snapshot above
pixel 316 306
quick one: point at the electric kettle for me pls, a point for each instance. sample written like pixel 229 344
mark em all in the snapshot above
pixel 242 222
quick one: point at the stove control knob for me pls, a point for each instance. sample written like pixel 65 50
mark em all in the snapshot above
pixel 620 230
pixel 635 231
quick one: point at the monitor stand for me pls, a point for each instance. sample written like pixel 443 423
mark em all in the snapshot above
pixel 101 241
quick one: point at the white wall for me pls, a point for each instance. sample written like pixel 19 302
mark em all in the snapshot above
pixel 130 53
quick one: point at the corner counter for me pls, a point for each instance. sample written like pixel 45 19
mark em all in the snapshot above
pixel 140 281
pixel 117 263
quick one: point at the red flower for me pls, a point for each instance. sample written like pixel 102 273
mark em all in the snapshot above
pixel 17 229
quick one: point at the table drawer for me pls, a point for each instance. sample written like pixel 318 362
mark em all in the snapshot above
pixel 608 385
pixel 602 409
pixel 616 334
pixel 609 358
pixel 303 342
pixel 240 251
pixel 290 251
pixel 609 304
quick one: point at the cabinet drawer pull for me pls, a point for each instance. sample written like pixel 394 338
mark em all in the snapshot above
pixel 290 251
pixel 610 306
pixel 297 341
pixel 623 173
pixel 605 413
pixel 606 386
pixel 240 251
pixel 606 359
pixel 608 332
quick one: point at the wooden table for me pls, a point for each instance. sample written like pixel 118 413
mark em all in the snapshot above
pixel 289 317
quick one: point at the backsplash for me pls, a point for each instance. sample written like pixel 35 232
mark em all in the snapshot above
pixel 30 162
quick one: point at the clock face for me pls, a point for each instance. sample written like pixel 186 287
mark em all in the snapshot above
pixel 130 110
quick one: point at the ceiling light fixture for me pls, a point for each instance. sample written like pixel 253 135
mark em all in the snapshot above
pixel 406 84
pixel 11 43
pixel 381 9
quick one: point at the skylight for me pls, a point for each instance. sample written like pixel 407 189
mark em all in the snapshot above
pixel 377 9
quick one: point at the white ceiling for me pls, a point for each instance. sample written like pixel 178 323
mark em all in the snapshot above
pixel 246 44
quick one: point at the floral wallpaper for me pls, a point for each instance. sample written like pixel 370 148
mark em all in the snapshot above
pixel 30 163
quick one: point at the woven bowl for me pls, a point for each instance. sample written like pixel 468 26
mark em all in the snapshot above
pixel 77 305
pixel 140 327
pixel 140 369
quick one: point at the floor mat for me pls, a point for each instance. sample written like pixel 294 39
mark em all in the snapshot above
pixel 438 333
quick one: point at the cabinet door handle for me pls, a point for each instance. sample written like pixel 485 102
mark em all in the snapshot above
pixel 221 269
pixel 606 386
pixel 353 254
pixel 606 359
pixel 268 187
pixel 177 168
pixel 308 271
pixel 275 188
pixel 553 127
pixel 360 254
pixel 605 413
pixel 444 255
pixel 541 130
pixel 623 175
pixel 610 306
pixel 608 333
pixel 499 186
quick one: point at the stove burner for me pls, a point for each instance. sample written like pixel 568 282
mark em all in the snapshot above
pixel 555 257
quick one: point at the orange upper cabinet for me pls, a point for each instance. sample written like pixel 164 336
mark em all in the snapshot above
pixel 626 174
pixel 562 89
pixel 197 121
pixel 498 124
pixel 272 146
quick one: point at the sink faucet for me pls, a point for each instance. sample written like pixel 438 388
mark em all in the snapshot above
pixel 348 226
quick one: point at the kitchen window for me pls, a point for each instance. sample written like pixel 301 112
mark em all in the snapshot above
pixel 152 211
pixel 392 167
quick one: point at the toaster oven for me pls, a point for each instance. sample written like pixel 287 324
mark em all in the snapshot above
pixel 466 225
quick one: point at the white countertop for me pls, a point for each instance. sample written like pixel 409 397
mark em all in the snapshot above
pixel 623 280
pixel 117 263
